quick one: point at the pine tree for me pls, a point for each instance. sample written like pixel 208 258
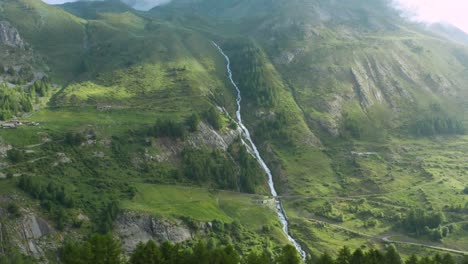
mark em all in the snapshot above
pixel 357 257
pixel 344 256
pixel 392 256
pixel 325 259
pixel 288 255
pixel 448 259
pixel 148 253
pixel 412 260
pixel 256 258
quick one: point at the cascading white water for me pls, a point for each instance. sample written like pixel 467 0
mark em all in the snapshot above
pixel 279 207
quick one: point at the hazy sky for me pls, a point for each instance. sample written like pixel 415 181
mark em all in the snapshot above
pixel 452 11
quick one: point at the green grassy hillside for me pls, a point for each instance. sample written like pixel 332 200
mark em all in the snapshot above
pixel 367 83
pixel 359 114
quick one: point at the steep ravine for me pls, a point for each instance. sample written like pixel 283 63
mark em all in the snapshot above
pixel 256 153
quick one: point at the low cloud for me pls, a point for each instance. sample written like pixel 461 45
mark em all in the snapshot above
pixel 137 4
pixel 145 4
pixel 435 11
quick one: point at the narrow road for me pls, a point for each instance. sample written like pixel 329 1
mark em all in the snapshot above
pixel 386 239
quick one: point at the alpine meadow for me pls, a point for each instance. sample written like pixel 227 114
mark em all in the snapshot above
pixel 231 132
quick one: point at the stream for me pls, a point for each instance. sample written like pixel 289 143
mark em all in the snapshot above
pixel 256 154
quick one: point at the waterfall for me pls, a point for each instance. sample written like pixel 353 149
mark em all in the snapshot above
pixel 256 153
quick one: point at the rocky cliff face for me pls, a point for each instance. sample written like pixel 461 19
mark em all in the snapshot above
pixel 10 36
pixel 133 228
pixel 29 233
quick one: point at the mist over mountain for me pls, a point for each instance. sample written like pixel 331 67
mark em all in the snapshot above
pixel 137 4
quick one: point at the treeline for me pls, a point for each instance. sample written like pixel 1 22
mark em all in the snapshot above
pixel 436 121
pixel 104 249
pixel 390 256
pixel 48 193
pixel 250 172
pixel 174 129
pixel 16 100
pixel 248 66
pixel 422 223
pixel 432 126
pixel 16 258
pixel 107 216
pixel 13 101
pixel 275 128
pixel 210 165
pixel 40 88
pixel 234 170
pixel 53 198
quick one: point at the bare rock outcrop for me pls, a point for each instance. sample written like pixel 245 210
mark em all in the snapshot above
pixel 207 136
pixel 133 228
pixel 10 36
pixel 27 234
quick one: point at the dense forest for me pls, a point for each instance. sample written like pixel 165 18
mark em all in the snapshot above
pixel 248 64
pixel 15 100
pixel 105 249
pixel 421 223
pixel 434 120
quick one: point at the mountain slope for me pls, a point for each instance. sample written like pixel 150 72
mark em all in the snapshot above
pixel 359 114
pixel 364 79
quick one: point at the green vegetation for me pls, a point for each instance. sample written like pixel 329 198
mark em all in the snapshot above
pixel 97 249
pixel 213 117
pixel 13 102
pixel 40 88
pixel 360 117
pixel 167 253
pixel 248 65
pixel 421 223
pixel 16 258
pixel 105 249
pixel 210 166
pixel 168 128
pixel 435 121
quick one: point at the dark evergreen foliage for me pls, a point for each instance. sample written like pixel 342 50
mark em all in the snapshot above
pixel 13 101
pixel 15 155
pixel 421 223
pixel 107 217
pixel 47 193
pixel 102 249
pixel 74 139
pixel 192 122
pixel 168 128
pixel 54 198
pixel 435 121
pixel 105 249
pixel 248 65
pixel 40 88
pixel 205 165
pixel 213 117
pixel 16 258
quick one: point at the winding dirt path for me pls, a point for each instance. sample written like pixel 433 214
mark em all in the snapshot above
pixel 387 238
